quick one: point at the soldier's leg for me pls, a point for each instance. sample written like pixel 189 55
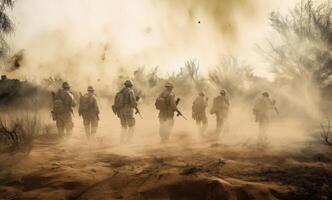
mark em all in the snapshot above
pixel 124 126
pixel 86 123
pixel 204 124
pixel 198 125
pixel 94 125
pixel 220 123
pixel 162 129
pixel 123 134
pixel 69 124
pixel 263 126
pixel 60 126
pixel 169 127
pixel 131 123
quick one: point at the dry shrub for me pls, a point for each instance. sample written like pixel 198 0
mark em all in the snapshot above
pixel 148 84
pixel 326 133
pixel 17 133
pixel 299 51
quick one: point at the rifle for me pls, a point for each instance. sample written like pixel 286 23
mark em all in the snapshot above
pixel 178 111
pixel 180 114
pixel 136 108
pixel 138 112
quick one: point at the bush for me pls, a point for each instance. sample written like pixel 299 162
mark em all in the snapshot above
pixel 17 133
pixel 299 48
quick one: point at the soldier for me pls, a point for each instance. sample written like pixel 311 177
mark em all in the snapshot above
pixel 63 103
pixel 89 110
pixel 124 104
pixel 262 110
pixel 166 104
pixel 199 114
pixel 220 108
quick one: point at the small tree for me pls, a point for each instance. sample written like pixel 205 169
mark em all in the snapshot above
pixel 326 133
pixel 17 133
pixel 300 47
pixel 6 26
pixel 232 75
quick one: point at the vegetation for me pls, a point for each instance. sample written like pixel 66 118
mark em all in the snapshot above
pixel 326 133
pixel 234 76
pixel 299 50
pixel 6 25
pixel 17 133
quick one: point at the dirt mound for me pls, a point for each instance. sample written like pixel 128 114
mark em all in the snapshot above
pixel 174 186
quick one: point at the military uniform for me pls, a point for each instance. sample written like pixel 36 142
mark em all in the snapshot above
pixel 166 113
pixel 262 111
pixel 220 108
pixel 64 121
pixel 89 112
pixel 199 112
pixel 126 113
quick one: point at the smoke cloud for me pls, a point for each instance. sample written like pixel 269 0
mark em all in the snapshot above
pixel 93 40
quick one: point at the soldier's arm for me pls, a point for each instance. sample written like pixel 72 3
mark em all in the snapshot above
pixel 132 99
pixel 70 100
pixel 227 101
pixel 73 103
pixel 205 103
pixel 95 105
pixel 173 102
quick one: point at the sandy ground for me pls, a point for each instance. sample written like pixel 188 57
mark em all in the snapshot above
pixel 183 169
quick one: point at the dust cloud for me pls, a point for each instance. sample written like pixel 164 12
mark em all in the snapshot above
pixel 197 45
pixel 102 43
pixel 96 38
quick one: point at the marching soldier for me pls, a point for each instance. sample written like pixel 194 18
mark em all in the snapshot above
pixel 167 106
pixel 89 110
pixel 199 112
pixel 262 111
pixel 220 108
pixel 63 103
pixel 124 104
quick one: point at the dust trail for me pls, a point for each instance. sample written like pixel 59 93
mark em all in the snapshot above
pixel 91 40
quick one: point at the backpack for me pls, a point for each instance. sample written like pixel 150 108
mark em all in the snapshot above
pixel 160 103
pixel 118 101
pixel 58 105
pixel 84 103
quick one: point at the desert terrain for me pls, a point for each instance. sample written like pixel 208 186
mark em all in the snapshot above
pixel 188 167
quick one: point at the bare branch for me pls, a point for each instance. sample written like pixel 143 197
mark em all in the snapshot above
pixel 326 133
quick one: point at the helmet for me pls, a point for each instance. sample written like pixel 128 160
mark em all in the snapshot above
pixel 128 83
pixel 201 94
pixel 90 88
pixel 223 92
pixel 168 84
pixel 265 94
pixel 65 85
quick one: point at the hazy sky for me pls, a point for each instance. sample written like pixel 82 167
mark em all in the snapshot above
pixel 143 32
